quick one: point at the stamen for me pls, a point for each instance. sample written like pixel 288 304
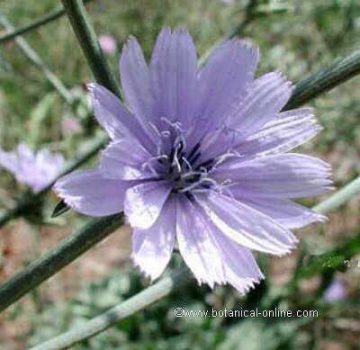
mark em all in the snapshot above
pixel 187 163
pixel 148 163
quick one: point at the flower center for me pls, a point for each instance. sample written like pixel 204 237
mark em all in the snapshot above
pixel 185 170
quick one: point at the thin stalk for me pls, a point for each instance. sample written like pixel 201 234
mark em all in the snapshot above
pixel 33 56
pixel 326 79
pixel 339 198
pixel 66 252
pixel 85 33
pixel 136 303
pixel 39 22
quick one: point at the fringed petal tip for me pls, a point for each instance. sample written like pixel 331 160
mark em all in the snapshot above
pixel 178 30
pixel 284 79
pixel 211 284
pixel 248 283
pixel 150 273
pixel 251 284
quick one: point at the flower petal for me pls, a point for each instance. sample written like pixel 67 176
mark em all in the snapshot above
pixel 197 246
pixel 286 212
pixel 224 79
pixel 115 118
pixel 89 193
pixel 264 100
pixel 286 175
pixel 124 160
pixel 144 202
pixel 247 226
pixel 173 75
pixel 135 79
pixel 290 130
pixel 212 257
pixel 152 248
pixel 242 270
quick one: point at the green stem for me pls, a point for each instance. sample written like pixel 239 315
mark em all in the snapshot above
pixel 46 266
pixel 339 198
pixel 47 18
pixel 32 55
pixel 136 303
pixel 85 33
pixel 325 80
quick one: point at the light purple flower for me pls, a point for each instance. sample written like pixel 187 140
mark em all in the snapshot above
pixel 198 159
pixel 33 169
pixel 107 44
pixel 335 291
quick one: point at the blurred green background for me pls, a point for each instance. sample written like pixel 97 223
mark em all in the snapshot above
pixel 295 37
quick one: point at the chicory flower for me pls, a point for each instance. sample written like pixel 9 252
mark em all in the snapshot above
pixel 199 158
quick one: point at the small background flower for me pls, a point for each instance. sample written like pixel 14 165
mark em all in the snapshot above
pixel 35 169
pixel 336 290
pixel 108 44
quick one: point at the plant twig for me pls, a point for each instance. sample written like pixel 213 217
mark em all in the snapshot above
pixel 325 80
pixel 341 197
pixel 136 303
pixel 85 33
pixel 39 22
